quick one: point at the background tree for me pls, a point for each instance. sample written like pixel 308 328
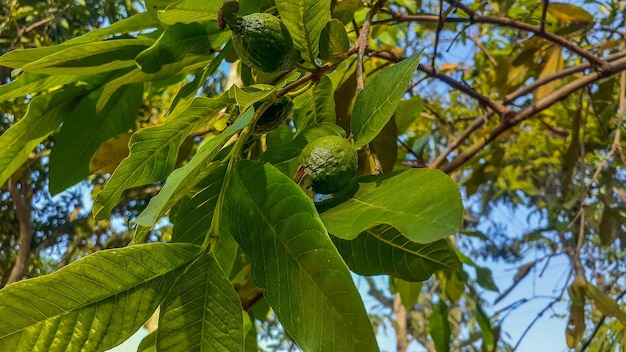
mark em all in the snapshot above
pixel 520 102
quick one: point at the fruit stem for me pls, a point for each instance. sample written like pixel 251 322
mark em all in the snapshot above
pixel 227 15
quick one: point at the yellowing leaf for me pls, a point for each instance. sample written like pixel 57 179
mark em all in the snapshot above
pixel 553 63
pixel 110 154
pixel 569 13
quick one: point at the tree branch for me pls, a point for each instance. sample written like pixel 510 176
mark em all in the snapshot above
pixel 22 201
pixel 503 22
pixel 540 105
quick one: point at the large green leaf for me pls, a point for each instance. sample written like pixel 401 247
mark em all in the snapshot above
pixel 202 313
pixel 178 40
pixel 187 64
pixel 316 105
pixel 334 42
pixel 86 129
pixel 30 83
pixel 189 11
pixel 135 23
pixel 377 102
pixel 45 113
pixel 427 207
pixel 154 152
pixel 305 20
pixel 21 57
pixel 92 304
pixel 180 183
pixel 192 219
pixel 383 250
pixel 89 58
pixel 294 261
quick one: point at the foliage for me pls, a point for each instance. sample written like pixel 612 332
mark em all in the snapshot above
pixel 528 119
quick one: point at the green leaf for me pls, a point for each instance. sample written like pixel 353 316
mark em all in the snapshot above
pixel 440 327
pixel 202 313
pixel 409 292
pixel 344 10
pixel 187 64
pixel 90 58
pixel 484 278
pixel 189 11
pixel 21 57
pixel 305 20
pixel 154 152
pixel 182 180
pixel 484 323
pixel 383 250
pixel 377 102
pixel 434 210
pixel 179 40
pixel 569 13
pixel 45 113
pixel 85 130
pixel 315 106
pixel 294 261
pixel 135 23
pixel 334 42
pixel 408 112
pixel 192 219
pixel 30 83
pixel 92 304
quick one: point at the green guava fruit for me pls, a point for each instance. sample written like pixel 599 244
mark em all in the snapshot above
pixel 274 116
pixel 260 40
pixel 331 161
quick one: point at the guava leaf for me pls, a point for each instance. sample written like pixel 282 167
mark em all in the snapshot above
pixel 440 327
pixel 135 23
pixel 193 217
pixel 334 42
pixel 90 58
pixel 182 180
pixel 484 323
pixel 22 57
pixel 433 211
pixel 315 106
pixel 305 20
pixel 154 151
pixel 85 130
pixel 409 292
pixel 92 304
pixel 177 41
pixel 45 113
pixel 377 102
pixel 30 83
pixel 294 261
pixel 189 11
pixel 383 250
pixel 569 13
pixel 202 313
pixel 186 64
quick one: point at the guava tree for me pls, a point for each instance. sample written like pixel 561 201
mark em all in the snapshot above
pixel 250 233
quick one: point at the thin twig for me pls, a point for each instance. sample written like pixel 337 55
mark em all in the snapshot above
pixel 502 22
pixel 544 13
pixel 540 105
